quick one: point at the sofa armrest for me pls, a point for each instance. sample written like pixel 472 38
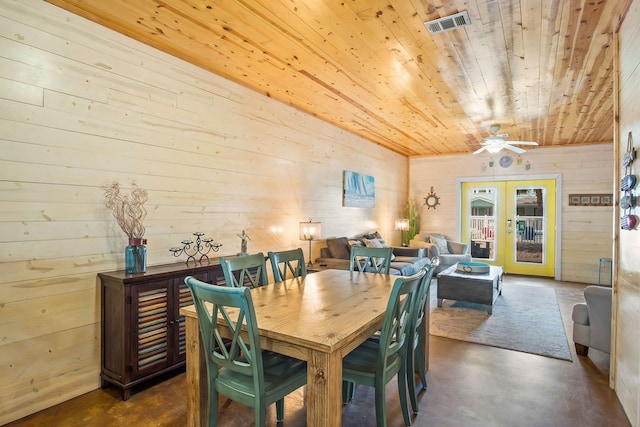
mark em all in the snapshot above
pixel 579 314
pixel 414 252
pixel 432 250
pixel 458 248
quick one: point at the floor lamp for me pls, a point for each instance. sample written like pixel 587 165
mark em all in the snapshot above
pixel 310 231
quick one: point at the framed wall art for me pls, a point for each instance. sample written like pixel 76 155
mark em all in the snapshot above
pixel 590 200
pixel 358 190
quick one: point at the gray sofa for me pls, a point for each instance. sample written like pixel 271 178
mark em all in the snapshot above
pixel 447 251
pixel 406 261
pixel 592 320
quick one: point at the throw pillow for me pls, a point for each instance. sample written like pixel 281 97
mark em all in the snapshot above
pixel 355 243
pixel 441 244
pixel 339 248
pixel 373 243
pixel 377 243
pixel 371 236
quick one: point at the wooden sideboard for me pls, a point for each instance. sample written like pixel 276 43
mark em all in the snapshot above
pixel 143 333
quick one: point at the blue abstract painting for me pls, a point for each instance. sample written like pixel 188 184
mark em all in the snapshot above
pixel 359 190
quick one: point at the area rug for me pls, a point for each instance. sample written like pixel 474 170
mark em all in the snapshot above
pixel 525 318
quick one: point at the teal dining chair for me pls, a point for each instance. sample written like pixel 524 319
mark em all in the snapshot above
pixel 285 262
pixel 376 361
pixel 375 260
pixel 241 371
pixel 416 337
pixel 245 270
pixel 365 259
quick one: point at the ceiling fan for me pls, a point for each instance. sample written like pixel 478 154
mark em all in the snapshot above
pixel 497 141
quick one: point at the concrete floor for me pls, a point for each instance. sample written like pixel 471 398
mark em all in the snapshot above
pixel 469 385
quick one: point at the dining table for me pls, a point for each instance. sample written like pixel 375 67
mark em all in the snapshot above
pixel 319 318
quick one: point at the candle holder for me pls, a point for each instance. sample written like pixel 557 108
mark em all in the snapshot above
pixel 201 247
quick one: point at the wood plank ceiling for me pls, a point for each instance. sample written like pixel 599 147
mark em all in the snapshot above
pixel 542 69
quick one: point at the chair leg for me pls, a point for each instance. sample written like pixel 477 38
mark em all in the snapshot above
pixel 582 350
pixel 348 391
pixel 213 406
pixel 280 410
pixel 402 390
pixel 419 357
pixel 411 380
pixel 260 416
pixel 381 416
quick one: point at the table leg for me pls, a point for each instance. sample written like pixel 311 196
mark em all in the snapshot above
pixel 324 389
pixel 197 391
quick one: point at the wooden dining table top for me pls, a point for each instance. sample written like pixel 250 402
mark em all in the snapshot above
pixel 322 310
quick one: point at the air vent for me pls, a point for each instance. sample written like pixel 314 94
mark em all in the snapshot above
pixel 447 23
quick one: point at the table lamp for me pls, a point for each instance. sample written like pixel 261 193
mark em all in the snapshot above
pixel 402 224
pixel 310 231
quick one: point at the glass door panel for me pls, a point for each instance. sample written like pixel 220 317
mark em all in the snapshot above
pixel 511 223
pixel 531 210
pixel 482 212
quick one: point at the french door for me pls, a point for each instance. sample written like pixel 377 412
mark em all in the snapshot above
pixel 512 224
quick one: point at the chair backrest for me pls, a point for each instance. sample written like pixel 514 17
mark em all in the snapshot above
pixel 417 315
pixel 245 270
pixel 242 352
pixel 397 324
pixel 285 262
pixel 376 260
pixel 599 300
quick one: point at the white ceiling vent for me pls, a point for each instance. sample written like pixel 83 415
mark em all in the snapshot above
pixel 447 23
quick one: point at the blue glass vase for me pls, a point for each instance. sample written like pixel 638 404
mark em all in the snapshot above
pixel 135 256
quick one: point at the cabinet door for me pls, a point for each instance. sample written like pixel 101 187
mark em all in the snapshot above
pixel 183 298
pixel 150 321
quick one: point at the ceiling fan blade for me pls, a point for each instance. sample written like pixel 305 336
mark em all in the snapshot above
pixel 514 149
pixel 480 150
pixel 522 142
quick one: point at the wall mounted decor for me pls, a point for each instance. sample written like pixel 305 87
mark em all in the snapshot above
pixel 431 200
pixel 358 190
pixel 505 161
pixel 628 220
pixel 590 200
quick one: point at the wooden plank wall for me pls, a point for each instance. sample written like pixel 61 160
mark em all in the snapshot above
pixel 627 283
pixel 81 105
pixel 586 231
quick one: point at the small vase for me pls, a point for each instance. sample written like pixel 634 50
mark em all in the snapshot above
pixel 135 256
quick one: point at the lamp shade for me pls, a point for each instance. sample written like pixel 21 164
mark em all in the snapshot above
pixel 402 224
pixel 310 230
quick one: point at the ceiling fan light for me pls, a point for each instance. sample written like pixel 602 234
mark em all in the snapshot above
pixel 493 149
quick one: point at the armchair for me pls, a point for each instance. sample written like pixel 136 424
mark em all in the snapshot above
pixel 592 320
pixel 439 246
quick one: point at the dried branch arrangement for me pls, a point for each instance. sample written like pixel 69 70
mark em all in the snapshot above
pixel 127 209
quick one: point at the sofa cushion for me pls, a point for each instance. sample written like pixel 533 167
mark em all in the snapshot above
pixel 374 235
pixel 441 242
pixel 339 247
pixel 355 242
pixel 406 266
pixel 377 243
